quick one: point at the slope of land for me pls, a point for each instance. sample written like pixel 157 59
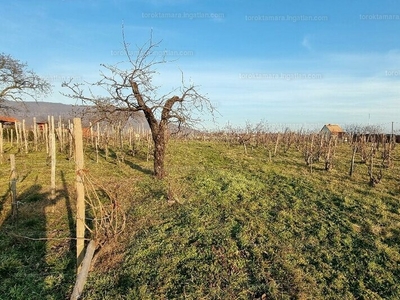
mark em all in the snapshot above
pixel 223 225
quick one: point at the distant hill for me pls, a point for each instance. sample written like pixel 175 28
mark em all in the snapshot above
pixel 41 110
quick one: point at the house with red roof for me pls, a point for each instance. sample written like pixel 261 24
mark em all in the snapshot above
pixel 332 129
pixel 8 121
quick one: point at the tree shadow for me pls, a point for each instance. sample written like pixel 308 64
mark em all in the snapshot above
pixel 3 200
pixel 113 158
pixel 138 168
pixel 36 254
pixel 71 221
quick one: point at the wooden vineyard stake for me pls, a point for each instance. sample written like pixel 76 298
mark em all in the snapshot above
pixel 13 187
pixel 52 138
pixel 80 193
pixel 35 134
pixel 1 143
pixel 24 136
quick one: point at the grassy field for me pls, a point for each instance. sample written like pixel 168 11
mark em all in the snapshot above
pixel 236 226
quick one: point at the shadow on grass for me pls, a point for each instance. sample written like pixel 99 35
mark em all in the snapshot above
pixel 4 199
pixel 37 260
pixel 113 159
pixel 138 168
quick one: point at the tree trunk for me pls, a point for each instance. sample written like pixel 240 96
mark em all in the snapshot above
pixel 159 154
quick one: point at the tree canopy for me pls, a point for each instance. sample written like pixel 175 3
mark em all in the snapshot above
pixel 131 89
pixel 18 83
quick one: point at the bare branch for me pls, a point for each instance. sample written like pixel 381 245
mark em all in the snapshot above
pixel 17 83
pixel 131 90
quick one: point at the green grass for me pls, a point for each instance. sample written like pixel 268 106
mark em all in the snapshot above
pixel 241 227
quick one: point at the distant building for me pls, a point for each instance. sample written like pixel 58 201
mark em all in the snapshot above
pixel 8 121
pixel 41 125
pixel 332 129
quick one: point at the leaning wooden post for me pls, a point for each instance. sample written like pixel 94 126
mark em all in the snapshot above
pixel 353 156
pixel 80 194
pixel 13 187
pixel 81 278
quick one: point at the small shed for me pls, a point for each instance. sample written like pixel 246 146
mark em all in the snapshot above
pixel 8 121
pixel 332 129
pixel 41 125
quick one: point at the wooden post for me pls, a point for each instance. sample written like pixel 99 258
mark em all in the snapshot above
pixel 12 136
pixel 17 134
pixel 97 142
pixel 81 278
pixel 120 136
pixel 91 133
pixel 392 135
pixel 106 141
pixel 80 193
pixel 1 143
pixel 46 126
pixel 115 136
pixel 98 133
pixel 35 134
pixel 24 135
pixel 353 156
pixel 70 129
pixel 53 159
pixel 13 187
pixel 62 137
pixel 60 134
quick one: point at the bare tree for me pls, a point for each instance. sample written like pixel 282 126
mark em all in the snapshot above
pixel 131 90
pixel 17 83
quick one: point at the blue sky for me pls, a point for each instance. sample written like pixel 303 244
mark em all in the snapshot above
pixel 289 63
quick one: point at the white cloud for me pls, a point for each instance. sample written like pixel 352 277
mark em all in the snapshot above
pixel 306 43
